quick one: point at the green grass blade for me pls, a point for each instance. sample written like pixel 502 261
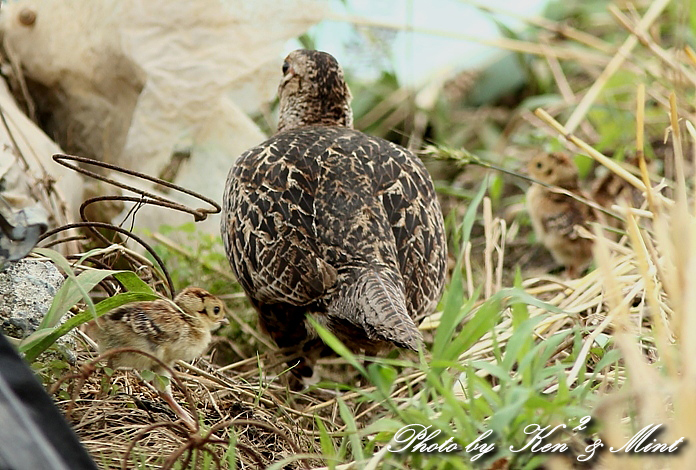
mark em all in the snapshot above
pixel 351 430
pixel 132 283
pixel 71 292
pixel 64 264
pixel 336 344
pixel 328 450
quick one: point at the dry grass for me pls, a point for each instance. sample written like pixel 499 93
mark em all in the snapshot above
pixel 122 421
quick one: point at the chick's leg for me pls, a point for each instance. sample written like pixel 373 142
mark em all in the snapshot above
pixel 188 420
pixel 165 391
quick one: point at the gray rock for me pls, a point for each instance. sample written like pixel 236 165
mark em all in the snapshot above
pixel 27 288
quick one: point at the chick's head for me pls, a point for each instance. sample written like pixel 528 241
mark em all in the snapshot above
pixel 197 301
pixel 553 168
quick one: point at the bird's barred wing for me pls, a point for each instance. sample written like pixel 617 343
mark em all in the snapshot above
pixel 564 220
pixel 409 199
pixel 268 223
pixel 158 321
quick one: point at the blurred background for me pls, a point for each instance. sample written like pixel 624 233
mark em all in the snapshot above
pixel 167 90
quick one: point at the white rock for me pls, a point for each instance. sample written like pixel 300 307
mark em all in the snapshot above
pixel 27 289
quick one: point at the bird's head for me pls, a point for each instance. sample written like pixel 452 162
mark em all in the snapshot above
pixel 200 302
pixel 313 91
pixel 554 168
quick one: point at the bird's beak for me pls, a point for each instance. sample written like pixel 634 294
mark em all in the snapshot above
pixel 224 321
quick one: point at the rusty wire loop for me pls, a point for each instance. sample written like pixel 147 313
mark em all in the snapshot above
pixel 198 214
pixel 143 198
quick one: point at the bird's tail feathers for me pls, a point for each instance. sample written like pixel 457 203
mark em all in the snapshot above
pixel 376 302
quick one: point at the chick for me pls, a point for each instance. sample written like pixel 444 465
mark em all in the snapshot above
pixel 170 331
pixel 555 216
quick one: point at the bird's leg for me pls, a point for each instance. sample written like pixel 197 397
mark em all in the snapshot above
pixel 163 385
pixel 286 325
pixel 166 395
pixel 301 365
pixel 165 392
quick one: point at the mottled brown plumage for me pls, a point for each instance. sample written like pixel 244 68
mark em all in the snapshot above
pixel 555 216
pixel 326 220
pixel 170 331
pixel 313 92
pixel 611 188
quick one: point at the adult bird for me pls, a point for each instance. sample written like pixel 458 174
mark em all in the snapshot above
pixel 324 220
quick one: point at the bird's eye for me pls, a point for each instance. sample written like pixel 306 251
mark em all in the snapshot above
pixel 216 310
pixel 539 165
pixel 286 67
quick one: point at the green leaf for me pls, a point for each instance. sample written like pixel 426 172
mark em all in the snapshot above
pixel 541 101
pixel 455 410
pixel 72 290
pixel 519 343
pixel 37 337
pixel 483 321
pixel 495 191
pixel 231 454
pixel 132 283
pixel 519 310
pixel 505 415
pixel 495 370
pixel 470 216
pixel 453 313
pixel 64 264
pixel 57 258
pixel 351 430
pixel 584 164
pixel 147 375
pixel 541 353
pixel 452 348
pixel 383 425
pixel 382 376
pixel 328 451
pixel 161 382
pixel 519 295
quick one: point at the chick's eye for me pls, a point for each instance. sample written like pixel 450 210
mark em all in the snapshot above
pixel 216 310
pixel 539 165
pixel 286 67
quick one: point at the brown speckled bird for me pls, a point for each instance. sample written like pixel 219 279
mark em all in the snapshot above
pixel 326 220
pixel 555 216
pixel 170 331
pixel 610 189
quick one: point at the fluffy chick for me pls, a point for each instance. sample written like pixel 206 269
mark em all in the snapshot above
pixel 170 331
pixel 555 216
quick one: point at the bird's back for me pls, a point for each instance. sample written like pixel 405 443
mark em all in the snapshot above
pixel 313 210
